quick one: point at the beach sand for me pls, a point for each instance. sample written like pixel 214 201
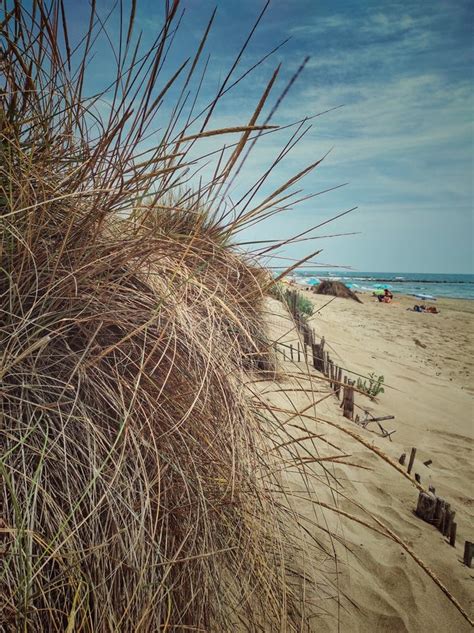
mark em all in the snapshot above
pixel 427 363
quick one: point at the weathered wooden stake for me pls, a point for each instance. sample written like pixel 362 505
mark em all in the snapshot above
pixel 321 355
pixel 291 350
pixel 418 478
pixel 448 523
pixel 428 462
pixel 299 358
pixel 426 506
pixel 447 509
pixel 447 512
pixel 468 552
pixel 344 400
pixel 348 401
pixel 402 458
pixel 339 381
pixel 412 459
pixel 442 518
pixel 452 534
pixel 304 331
pixel 439 512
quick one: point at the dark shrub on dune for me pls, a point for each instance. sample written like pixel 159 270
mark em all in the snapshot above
pixel 336 289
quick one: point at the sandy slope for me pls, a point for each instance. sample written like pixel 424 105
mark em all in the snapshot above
pixel 427 364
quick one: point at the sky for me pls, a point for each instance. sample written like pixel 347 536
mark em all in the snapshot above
pixel 401 143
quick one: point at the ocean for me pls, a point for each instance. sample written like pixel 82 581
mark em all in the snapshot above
pixel 435 285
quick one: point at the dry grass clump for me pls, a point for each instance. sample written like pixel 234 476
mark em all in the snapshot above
pixel 336 289
pixel 209 258
pixel 135 492
pixel 131 470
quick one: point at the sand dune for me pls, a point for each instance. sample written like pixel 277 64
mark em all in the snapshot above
pixel 375 585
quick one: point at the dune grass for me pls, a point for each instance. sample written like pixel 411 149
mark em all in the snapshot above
pixel 135 492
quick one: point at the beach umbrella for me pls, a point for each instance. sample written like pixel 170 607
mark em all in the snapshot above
pixel 383 286
pixel 314 281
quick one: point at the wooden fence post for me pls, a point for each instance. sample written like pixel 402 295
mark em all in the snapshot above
pixel 348 401
pixel 438 519
pixel 321 355
pixel 452 534
pixel 351 400
pixel 450 514
pixel 426 506
pixel 339 381
pixel 412 459
pixel 468 552
pixel 447 511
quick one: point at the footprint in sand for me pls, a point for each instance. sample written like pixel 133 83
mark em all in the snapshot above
pixel 455 436
pixel 419 343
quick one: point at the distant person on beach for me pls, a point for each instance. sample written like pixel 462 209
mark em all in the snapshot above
pixel 423 308
pixel 386 297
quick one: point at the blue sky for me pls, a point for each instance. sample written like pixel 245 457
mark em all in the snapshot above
pixel 403 140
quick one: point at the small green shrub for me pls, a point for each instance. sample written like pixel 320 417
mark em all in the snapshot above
pixel 374 387
pixel 284 294
pixel 304 305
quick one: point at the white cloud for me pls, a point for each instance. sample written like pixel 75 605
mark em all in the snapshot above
pixel 370 25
